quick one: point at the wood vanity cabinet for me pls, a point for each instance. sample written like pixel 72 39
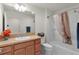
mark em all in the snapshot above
pixel 31 47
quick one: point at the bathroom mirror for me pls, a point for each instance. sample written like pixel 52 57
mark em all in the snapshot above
pixel 18 22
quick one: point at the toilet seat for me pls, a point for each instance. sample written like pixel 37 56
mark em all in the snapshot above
pixel 47 45
pixel 46 49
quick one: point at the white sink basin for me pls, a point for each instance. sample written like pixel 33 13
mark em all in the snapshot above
pixel 22 38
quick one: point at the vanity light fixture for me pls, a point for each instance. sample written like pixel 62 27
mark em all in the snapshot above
pixel 22 8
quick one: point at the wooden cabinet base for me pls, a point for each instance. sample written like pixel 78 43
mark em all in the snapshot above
pixel 24 48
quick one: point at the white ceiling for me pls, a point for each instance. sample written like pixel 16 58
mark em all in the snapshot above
pixel 54 6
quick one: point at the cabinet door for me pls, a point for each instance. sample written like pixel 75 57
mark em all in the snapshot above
pixel 5 49
pixel 20 52
pixel 30 50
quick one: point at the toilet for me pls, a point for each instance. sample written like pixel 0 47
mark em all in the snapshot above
pixel 46 49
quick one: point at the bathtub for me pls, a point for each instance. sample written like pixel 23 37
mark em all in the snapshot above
pixel 60 48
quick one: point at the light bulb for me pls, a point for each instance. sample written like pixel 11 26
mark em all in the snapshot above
pixel 20 10
pixel 33 13
pixel 16 6
pixel 23 8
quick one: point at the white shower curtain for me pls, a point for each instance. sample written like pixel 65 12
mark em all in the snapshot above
pixel 66 28
pixel 62 27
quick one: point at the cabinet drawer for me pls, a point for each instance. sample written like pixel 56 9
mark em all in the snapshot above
pixel 29 43
pixel 19 52
pixel 37 41
pixel 5 49
pixel 22 45
pixel 38 47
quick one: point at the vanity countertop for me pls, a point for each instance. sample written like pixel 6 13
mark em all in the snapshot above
pixel 18 40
